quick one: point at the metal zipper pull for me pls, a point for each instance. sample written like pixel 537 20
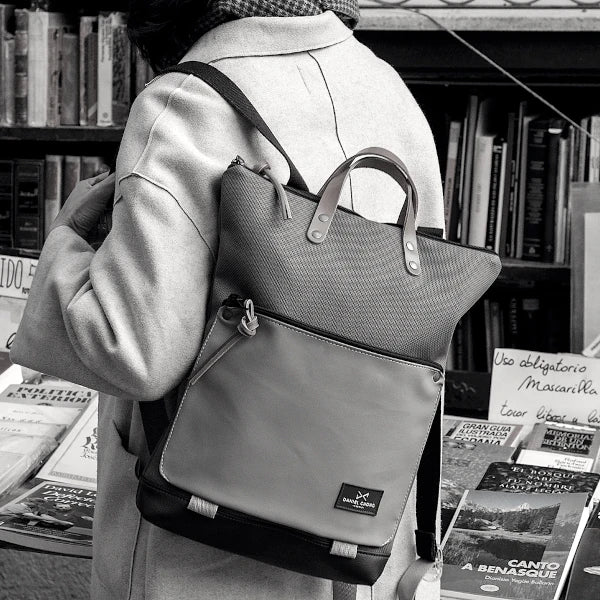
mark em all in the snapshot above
pixel 249 323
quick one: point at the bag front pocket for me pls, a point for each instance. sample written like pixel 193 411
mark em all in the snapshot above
pixel 301 429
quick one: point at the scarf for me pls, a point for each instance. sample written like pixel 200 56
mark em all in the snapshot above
pixel 221 11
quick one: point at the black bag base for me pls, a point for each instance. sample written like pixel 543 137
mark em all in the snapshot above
pixel 165 506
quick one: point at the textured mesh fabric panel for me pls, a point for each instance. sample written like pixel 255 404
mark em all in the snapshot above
pixel 355 283
pixel 343 591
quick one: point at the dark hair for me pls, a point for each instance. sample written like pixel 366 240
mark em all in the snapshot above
pixel 164 30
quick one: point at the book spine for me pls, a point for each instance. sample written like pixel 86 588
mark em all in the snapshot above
pixel 69 88
pixel 53 78
pixel 53 189
pixel 21 51
pixel 28 207
pixel 121 88
pixel 6 12
pixel 550 190
pixel 37 68
pixel 451 162
pixel 500 212
pixel 509 187
pixel 533 224
pixel 490 236
pixel 71 175
pixel 8 68
pixel 594 159
pixel 480 193
pixel 584 144
pixel 467 176
pixel 88 69
pixel 519 177
pixel 7 183
pixel 105 70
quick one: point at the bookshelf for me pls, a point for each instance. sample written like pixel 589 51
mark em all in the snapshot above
pixel 554 51
pixel 63 134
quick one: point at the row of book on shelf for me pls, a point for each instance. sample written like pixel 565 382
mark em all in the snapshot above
pixel 60 69
pixel 508 174
pixel 520 510
pixel 32 192
pixel 48 429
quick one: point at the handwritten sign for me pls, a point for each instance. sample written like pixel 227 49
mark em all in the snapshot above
pixel 528 387
pixel 16 275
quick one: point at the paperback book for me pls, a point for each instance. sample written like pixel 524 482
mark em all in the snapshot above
pixel 512 546
pixel 463 466
pixel 74 461
pixel 14 411
pixel 20 456
pixel 505 477
pixel 499 434
pixel 48 395
pixel 573 447
pixel 52 517
pixel 584 583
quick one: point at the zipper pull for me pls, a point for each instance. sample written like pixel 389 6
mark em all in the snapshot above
pixel 266 172
pixel 238 160
pixel 249 323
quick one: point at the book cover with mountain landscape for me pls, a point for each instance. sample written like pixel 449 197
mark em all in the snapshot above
pixel 512 546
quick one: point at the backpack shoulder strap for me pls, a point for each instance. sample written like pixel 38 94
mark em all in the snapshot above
pixel 238 100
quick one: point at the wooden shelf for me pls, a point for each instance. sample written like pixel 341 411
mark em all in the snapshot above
pixel 525 270
pixel 61 134
pixel 480 19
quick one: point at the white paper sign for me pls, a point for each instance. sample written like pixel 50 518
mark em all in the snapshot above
pixel 16 275
pixel 528 387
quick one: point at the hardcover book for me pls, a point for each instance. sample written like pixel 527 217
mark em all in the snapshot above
pixel 69 78
pixel 6 14
pixel 505 477
pixel 7 184
pixel 28 207
pixel 573 447
pixel 584 583
pixel 74 461
pixel 512 546
pixel 88 70
pixel 51 517
pixel 21 74
pixel 500 434
pixel 463 466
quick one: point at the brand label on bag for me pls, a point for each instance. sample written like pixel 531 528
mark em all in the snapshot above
pixel 359 499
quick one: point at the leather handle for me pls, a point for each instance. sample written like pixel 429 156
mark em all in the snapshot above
pixel 387 162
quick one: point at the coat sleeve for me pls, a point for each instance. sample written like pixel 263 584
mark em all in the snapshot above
pixel 126 320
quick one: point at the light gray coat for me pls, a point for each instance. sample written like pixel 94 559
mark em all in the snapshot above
pixel 128 319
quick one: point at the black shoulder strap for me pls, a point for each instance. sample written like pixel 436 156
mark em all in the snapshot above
pixel 238 100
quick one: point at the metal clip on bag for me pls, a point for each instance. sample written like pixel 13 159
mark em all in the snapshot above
pixel 315 399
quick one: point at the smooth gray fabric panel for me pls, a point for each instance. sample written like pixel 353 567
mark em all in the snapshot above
pixel 283 419
pixel 355 283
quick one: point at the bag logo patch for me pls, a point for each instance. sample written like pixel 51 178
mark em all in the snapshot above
pixel 359 499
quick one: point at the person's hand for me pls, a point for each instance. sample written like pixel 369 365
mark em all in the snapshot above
pixel 86 203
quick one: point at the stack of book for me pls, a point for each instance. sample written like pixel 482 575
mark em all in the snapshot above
pixel 32 192
pixel 507 178
pixel 54 511
pixel 61 69
pixel 519 507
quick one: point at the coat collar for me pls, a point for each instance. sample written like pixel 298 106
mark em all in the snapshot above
pixel 264 36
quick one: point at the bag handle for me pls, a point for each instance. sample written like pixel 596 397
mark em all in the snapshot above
pixel 387 162
pixel 240 102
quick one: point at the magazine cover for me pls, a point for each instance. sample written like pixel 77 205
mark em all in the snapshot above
pixel 512 546
pixel 14 411
pixel 463 466
pixel 499 434
pixel 584 583
pixel 51 516
pixel 74 461
pixel 505 477
pixel 48 395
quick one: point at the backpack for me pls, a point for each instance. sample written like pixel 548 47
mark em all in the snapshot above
pixel 315 400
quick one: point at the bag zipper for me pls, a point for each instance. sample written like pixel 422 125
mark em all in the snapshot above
pixel 237 301
pixel 240 162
